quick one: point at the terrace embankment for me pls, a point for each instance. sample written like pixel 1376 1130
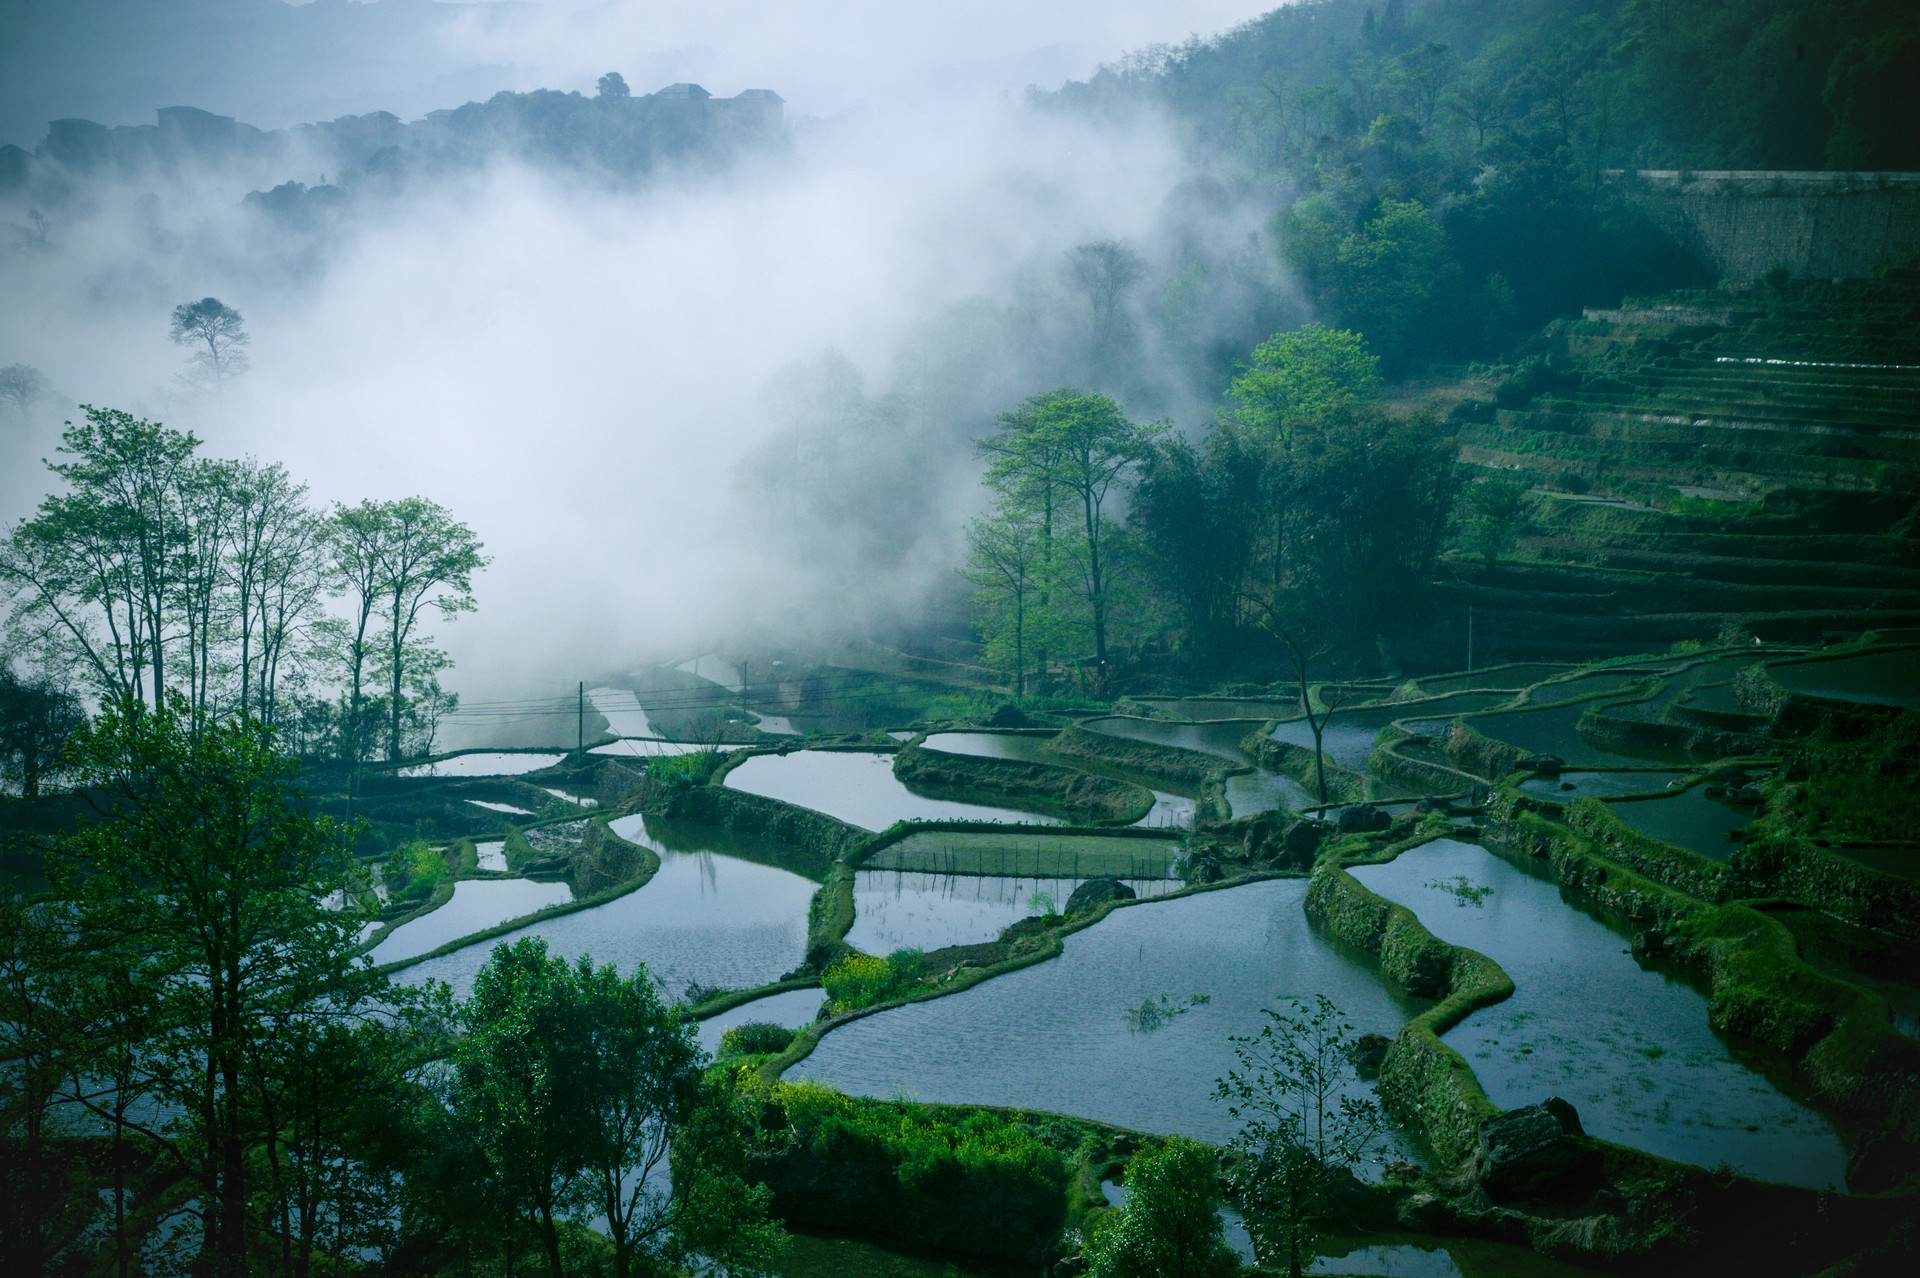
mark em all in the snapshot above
pixel 1062 791
pixel 1176 764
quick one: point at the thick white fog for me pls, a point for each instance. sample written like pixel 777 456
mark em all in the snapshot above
pixel 576 371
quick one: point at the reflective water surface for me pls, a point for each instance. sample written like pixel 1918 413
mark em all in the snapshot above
pixel 476 904
pixel 1884 678
pixel 1598 785
pixel 896 908
pixel 1690 820
pixel 622 711
pixel 1169 808
pixel 1055 1036
pixel 795 1009
pixel 1630 1047
pixel 484 763
pixel 1555 732
pixel 858 788
pixel 706 916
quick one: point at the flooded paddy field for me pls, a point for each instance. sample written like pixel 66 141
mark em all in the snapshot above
pixel 491 854
pixel 1202 709
pixel 1417 1256
pixel 707 916
pixel 1690 820
pixel 1555 731
pixel 476 905
pixel 1349 734
pixel 858 788
pixel 1220 738
pixel 622 710
pixel 1504 678
pixel 1261 791
pixel 1639 1061
pixel 893 909
pixel 1600 784
pixel 1881 678
pixel 1868 959
pixel 1056 1036
pixel 508 808
pixel 482 763
pixel 650 748
pixel 1588 685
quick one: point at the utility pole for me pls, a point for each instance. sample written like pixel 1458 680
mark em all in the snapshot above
pixel 582 723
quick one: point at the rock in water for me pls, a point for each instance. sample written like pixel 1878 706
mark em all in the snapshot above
pixel 1094 891
pixel 1367 1053
pixel 1363 818
pixel 1528 1152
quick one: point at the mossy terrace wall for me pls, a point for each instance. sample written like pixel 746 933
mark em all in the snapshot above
pixel 1423 1082
pixel 1056 790
pixel 1192 767
pixel 1836 1037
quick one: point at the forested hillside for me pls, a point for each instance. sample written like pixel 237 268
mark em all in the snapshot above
pixel 1499 119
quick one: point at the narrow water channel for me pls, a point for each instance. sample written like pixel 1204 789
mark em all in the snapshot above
pixel 1056 1036
pixel 1630 1047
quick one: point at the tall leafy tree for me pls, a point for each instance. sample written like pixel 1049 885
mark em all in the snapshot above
pixel 427 561
pixel 1006 559
pixel 95 573
pixel 1070 447
pixel 45 1205
pixel 23 386
pixel 211 872
pixel 576 1083
pixel 38 716
pixel 273 569
pixel 1105 272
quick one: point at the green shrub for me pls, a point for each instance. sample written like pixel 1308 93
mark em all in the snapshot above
pixel 756 1038
pixel 681 770
pixel 414 870
pixel 860 979
pixel 980 1184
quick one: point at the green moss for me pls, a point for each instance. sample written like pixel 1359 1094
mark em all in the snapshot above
pixel 1423 1082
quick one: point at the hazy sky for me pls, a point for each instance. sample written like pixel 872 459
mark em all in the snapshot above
pixel 574 371
pixel 274 64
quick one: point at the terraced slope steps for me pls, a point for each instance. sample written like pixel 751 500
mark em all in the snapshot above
pixel 1739 459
